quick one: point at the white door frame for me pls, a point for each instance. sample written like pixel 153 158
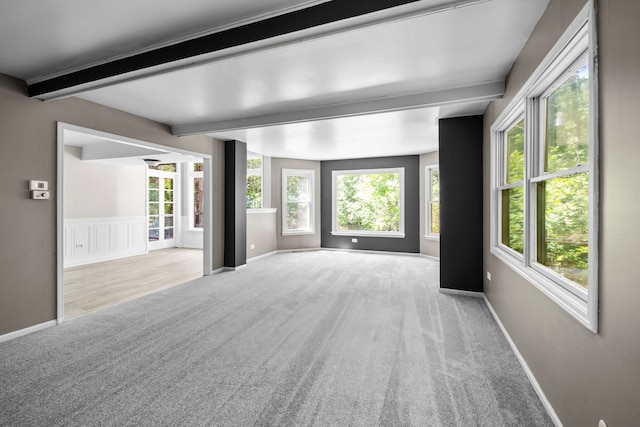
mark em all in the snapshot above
pixel 208 211
pixel 177 189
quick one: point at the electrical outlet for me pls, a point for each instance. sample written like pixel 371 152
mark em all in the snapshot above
pixel 354 240
pixel 252 246
pixel 488 276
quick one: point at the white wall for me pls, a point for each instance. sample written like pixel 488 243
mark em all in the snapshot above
pixel 97 190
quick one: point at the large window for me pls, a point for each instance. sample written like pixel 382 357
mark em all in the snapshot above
pixel 254 181
pixel 298 201
pixel 196 196
pixel 544 207
pixel 432 175
pixel 368 202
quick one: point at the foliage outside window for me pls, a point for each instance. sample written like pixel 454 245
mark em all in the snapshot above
pixel 368 202
pixel 298 201
pixel 196 178
pixel 254 181
pixel 165 167
pixel 511 187
pixel 433 201
pixel 543 207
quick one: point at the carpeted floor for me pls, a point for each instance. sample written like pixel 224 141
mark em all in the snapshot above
pixel 309 338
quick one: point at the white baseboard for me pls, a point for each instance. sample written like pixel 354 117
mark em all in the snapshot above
pixel 268 254
pixel 461 293
pixel 367 251
pixel 26 331
pixel 431 257
pixel 239 267
pixel 525 367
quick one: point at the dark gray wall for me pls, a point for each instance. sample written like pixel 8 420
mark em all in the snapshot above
pixel 235 203
pixel 411 242
pixel 461 203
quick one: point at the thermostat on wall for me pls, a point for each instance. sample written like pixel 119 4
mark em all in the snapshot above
pixel 38 185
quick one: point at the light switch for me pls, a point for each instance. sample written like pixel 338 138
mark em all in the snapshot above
pixel 38 185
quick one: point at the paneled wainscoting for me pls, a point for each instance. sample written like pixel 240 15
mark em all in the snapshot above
pixel 89 240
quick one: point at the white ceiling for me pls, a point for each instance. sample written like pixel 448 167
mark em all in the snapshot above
pixel 307 97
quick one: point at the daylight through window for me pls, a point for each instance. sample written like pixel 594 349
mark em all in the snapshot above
pixel 369 202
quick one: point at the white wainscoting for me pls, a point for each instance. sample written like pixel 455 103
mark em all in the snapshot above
pixel 191 238
pixel 89 240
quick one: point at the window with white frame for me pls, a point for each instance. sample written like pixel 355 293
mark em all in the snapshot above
pixel 196 195
pixel 298 201
pixel 254 181
pixel 368 202
pixel 544 207
pixel 432 186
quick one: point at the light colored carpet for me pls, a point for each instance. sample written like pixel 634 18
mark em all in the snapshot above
pixel 311 338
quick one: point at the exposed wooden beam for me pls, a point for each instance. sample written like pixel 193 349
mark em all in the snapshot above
pixel 479 93
pixel 315 21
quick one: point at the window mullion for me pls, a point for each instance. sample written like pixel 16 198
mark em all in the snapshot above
pixel 532 164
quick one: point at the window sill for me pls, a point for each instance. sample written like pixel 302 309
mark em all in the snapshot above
pixel 434 238
pixel 356 233
pixel 298 233
pixel 262 210
pixel 572 304
pixel 195 230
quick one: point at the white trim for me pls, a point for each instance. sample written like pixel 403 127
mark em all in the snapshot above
pixel 431 257
pixel 369 251
pixel 61 128
pixel 255 258
pixel 364 233
pixel 311 175
pixel 432 238
pixel 31 329
pixel 568 52
pixel 428 176
pixel 299 250
pixel 532 379
pixel 459 292
pixel 262 211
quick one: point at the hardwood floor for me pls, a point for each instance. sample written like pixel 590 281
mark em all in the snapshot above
pixel 94 286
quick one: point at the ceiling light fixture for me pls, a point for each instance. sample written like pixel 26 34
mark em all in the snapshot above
pixel 151 162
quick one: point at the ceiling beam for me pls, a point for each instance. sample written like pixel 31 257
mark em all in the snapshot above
pixel 312 22
pixel 479 93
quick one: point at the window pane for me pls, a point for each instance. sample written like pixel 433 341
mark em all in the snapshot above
pixel 168 233
pixel 153 195
pixel 154 182
pixel 298 216
pixel 563 226
pixel 435 218
pixel 154 222
pixel 368 202
pixel 435 185
pixel 254 192
pixel 168 184
pixel 254 163
pixel 168 167
pixel 154 235
pixel 168 221
pixel 198 202
pixel 298 189
pixel 515 153
pixel 168 208
pixel 168 196
pixel 567 123
pixel 513 219
pixel 198 167
pixel 153 209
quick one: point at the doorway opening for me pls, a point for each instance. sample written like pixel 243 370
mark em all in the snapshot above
pixel 125 219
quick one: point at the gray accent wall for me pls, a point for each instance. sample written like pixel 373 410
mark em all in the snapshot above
pixel 235 204
pixel 28 227
pixel 585 376
pixel 411 242
pixel 461 203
